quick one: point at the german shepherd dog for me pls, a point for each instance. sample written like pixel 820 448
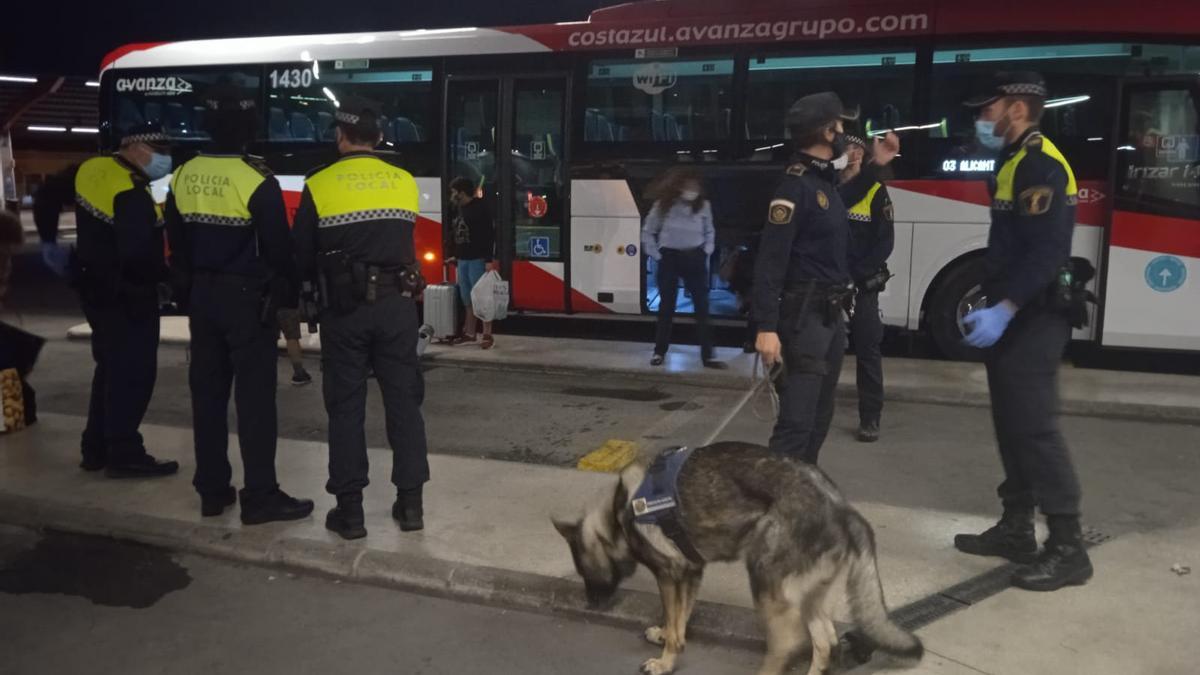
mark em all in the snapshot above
pixel 799 538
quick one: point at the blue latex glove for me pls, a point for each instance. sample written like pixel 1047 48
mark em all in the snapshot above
pixel 987 325
pixel 55 257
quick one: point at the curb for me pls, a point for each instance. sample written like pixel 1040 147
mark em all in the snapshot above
pixel 267 545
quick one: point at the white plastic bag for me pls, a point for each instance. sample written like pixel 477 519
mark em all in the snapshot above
pixel 489 297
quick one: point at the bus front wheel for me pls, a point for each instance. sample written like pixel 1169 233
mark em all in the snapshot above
pixel 959 293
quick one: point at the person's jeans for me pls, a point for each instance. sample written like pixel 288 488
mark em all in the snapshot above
pixel 692 266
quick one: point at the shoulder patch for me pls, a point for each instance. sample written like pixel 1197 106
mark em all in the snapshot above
pixel 889 211
pixel 822 200
pixel 259 164
pixel 797 170
pixel 781 211
pixel 1036 200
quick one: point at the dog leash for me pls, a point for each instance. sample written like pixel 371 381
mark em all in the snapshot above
pixel 761 378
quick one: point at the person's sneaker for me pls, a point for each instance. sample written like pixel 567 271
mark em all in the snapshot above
pixel 301 378
pixel 347 519
pixel 145 466
pixel 1059 565
pixel 715 365
pixel 868 432
pixel 657 360
pixel 215 505
pixel 1012 538
pixel 275 507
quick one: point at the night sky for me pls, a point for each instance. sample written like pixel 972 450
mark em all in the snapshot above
pixel 66 38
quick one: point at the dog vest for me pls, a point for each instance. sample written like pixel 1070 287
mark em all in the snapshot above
pixel 656 501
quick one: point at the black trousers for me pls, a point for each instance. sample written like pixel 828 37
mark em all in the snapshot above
pixel 383 337
pixel 692 266
pixel 812 353
pixel 125 349
pixel 1022 373
pixel 867 328
pixel 232 348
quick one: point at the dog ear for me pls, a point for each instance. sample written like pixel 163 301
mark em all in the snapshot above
pixel 568 529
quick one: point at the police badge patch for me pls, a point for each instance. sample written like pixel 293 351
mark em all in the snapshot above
pixel 822 200
pixel 888 211
pixel 781 211
pixel 1036 200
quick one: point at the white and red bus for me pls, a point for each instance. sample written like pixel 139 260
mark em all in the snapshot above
pixel 563 126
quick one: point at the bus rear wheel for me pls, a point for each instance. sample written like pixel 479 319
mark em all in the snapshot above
pixel 959 293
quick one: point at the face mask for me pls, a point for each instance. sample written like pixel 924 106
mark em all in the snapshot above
pixel 689 195
pixel 159 166
pixel 839 144
pixel 985 132
pixel 841 161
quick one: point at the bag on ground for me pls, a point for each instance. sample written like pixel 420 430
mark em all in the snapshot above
pixel 489 297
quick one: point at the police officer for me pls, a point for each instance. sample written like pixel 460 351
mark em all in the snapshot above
pixel 872 236
pixel 801 278
pixel 231 266
pixel 1033 215
pixel 117 266
pixel 354 234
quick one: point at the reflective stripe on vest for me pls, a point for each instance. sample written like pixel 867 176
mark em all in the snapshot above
pixel 862 210
pixel 362 189
pixel 1003 199
pixel 215 190
pixel 97 184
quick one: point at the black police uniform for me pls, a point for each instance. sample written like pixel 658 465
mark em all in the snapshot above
pixel 116 268
pixel 1033 217
pixel 872 237
pixel 357 215
pixel 232 266
pixel 800 283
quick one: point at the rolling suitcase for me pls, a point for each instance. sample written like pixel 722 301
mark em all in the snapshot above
pixel 441 310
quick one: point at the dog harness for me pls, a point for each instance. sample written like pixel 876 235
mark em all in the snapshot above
pixel 656 501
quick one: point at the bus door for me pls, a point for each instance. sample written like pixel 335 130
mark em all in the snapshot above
pixel 506 134
pixel 1151 286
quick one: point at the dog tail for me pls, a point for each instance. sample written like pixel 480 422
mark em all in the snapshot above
pixel 866 597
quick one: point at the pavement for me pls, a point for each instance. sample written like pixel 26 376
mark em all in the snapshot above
pixel 489 540
pixel 1084 391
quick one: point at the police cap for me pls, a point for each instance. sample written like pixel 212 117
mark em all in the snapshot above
pixel 816 111
pixel 854 134
pixel 1008 83
pixel 228 98
pixel 360 114
pixel 146 132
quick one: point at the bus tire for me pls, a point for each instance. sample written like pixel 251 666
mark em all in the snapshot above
pixel 958 292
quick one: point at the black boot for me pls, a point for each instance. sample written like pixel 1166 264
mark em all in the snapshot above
pixel 408 510
pixel 347 517
pixel 868 431
pixel 142 467
pixel 215 504
pixel 274 507
pixel 1063 562
pixel 1011 538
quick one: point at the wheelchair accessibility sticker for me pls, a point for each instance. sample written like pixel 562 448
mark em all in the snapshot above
pixel 539 247
pixel 1166 273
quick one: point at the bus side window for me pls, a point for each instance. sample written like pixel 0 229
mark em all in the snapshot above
pixel 880 84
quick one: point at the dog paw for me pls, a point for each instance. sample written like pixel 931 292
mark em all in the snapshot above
pixel 656 667
pixel 654 635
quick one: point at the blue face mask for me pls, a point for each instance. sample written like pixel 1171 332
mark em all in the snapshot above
pixel 985 131
pixel 159 166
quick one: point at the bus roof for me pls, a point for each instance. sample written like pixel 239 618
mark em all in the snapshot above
pixel 684 23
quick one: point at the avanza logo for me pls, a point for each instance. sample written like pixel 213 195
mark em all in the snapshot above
pixel 155 86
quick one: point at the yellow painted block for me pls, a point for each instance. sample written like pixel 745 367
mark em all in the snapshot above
pixel 611 457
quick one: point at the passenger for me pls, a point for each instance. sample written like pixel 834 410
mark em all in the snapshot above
pixel 679 236
pixel 289 326
pixel 473 235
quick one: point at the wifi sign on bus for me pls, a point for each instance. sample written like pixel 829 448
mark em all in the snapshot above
pixel 654 78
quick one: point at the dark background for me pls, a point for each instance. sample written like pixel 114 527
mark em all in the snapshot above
pixel 70 38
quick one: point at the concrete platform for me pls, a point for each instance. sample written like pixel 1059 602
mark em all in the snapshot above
pixel 1103 393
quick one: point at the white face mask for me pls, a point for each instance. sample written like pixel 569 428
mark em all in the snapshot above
pixel 841 161
pixel 689 195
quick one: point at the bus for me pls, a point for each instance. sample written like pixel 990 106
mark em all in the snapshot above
pixel 563 126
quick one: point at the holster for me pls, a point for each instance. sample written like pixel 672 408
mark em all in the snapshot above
pixel 341 290
pixel 1069 294
pixel 410 281
pixel 877 282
